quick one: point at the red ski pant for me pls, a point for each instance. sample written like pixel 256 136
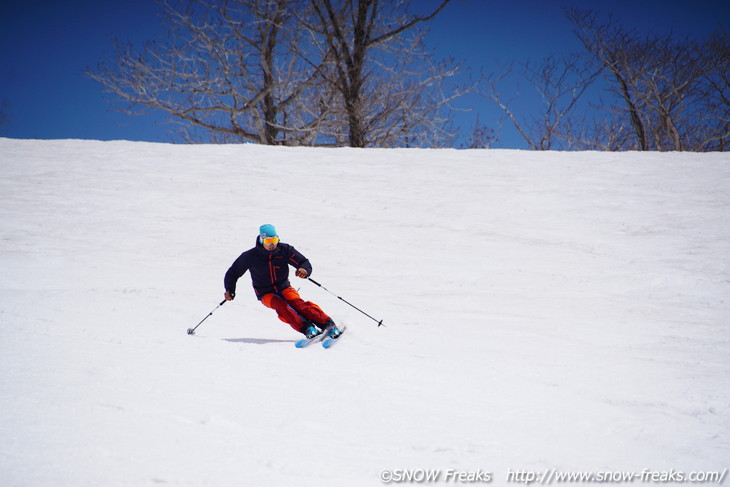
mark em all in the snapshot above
pixel 291 308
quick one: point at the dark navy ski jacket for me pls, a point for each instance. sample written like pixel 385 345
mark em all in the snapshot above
pixel 269 270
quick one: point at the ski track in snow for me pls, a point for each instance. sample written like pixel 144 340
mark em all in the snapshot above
pixel 542 310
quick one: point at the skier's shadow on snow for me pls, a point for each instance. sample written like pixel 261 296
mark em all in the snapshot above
pixel 256 341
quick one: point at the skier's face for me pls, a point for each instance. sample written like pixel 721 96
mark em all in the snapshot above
pixel 270 243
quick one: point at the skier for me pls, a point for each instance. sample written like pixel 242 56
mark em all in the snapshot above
pixel 269 263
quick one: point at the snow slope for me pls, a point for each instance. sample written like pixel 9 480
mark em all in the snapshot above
pixel 543 310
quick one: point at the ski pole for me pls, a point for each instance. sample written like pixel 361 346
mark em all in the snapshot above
pixel 380 323
pixel 191 331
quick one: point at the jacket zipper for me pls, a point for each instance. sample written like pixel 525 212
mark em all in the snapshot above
pixel 272 272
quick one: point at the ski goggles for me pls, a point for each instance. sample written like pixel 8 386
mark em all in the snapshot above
pixel 269 240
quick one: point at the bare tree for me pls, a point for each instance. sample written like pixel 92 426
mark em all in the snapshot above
pixel 232 69
pixel 713 95
pixel 657 77
pixel 601 127
pixel 482 136
pixel 560 84
pixel 324 72
pixel 608 45
pixel 406 102
pixel 373 70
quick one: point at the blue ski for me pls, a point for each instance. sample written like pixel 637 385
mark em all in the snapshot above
pixel 305 342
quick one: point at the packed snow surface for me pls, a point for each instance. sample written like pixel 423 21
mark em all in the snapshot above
pixel 542 310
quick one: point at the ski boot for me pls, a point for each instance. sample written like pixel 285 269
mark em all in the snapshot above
pixel 310 331
pixel 331 329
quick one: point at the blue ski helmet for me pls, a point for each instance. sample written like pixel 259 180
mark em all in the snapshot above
pixel 266 231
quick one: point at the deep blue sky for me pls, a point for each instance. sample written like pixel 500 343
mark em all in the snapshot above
pixel 47 45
